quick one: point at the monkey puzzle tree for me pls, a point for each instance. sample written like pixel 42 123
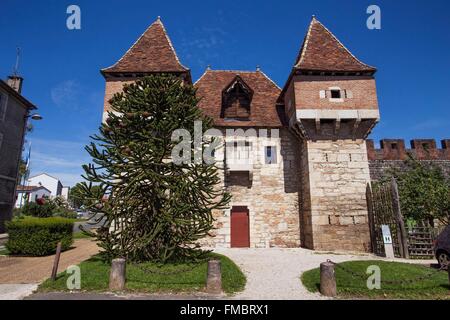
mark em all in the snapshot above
pixel 151 208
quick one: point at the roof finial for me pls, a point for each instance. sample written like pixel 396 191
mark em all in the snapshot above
pixel 313 17
pixel 258 68
pixel 16 66
pixel 158 18
pixel 208 67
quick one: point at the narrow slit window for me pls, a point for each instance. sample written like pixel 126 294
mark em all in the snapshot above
pixel 271 155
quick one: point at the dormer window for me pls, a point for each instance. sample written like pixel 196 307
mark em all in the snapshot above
pixel 335 94
pixel 236 100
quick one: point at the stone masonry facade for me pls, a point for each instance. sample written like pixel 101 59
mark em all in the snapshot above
pixel 336 211
pixel 271 195
pixel 303 184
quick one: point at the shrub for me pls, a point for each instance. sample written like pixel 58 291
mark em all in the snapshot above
pixel 38 236
pixel 65 213
pixel 17 212
pixel 33 209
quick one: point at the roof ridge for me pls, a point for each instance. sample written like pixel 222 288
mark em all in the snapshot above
pixel 204 73
pixel 305 43
pixel 268 78
pixel 304 47
pixel 157 21
pixel 228 70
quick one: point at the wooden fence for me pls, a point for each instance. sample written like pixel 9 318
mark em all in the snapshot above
pixel 420 240
pixel 384 208
pixel 383 204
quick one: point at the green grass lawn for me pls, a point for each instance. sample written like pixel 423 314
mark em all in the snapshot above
pixel 436 287
pixel 81 235
pixel 95 277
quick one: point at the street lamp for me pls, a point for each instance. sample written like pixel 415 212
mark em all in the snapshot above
pixel 35 116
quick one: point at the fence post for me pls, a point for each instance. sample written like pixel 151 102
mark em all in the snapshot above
pixel 56 261
pixel 401 230
pixel 117 276
pixel 214 277
pixel 371 218
pixel 327 279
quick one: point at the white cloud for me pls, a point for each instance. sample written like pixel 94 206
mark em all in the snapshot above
pixel 66 94
pixel 59 158
pixel 431 124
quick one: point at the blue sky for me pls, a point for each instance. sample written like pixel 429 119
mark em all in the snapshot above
pixel 61 67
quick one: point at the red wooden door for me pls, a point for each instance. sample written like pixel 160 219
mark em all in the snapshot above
pixel 240 231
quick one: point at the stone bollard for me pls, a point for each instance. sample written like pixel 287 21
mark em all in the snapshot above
pixel 327 279
pixel 214 277
pixel 117 275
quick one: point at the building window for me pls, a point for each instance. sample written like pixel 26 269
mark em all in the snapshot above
pixel 236 100
pixel 271 155
pixel 335 94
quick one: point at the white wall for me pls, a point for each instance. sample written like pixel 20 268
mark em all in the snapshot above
pixel 46 181
pixel 65 192
pixel 37 194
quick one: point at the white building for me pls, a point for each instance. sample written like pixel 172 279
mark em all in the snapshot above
pixel 30 194
pixel 50 183
pixel 65 192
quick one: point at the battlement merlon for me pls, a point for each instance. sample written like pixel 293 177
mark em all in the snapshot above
pixel 421 149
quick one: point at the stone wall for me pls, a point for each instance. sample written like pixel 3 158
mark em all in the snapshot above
pixel 271 197
pixel 336 175
pixel 393 154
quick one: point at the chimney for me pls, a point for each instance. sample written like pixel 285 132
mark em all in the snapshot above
pixel 15 82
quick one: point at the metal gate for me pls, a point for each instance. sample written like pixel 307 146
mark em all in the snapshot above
pixel 384 209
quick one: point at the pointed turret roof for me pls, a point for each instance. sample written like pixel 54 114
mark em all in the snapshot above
pixel 152 52
pixel 322 51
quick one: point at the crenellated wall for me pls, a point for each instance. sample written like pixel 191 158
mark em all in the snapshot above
pixel 393 152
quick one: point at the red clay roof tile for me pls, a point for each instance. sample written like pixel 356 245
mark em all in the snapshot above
pixel 264 111
pixel 322 51
pixel 152 52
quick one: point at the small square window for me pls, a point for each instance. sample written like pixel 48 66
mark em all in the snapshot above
pixel 271 155
pixel 335 94
pixel 394 146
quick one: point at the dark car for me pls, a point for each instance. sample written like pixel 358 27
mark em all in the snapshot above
pixel 442 247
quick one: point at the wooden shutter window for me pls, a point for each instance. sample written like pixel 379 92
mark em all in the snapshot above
pixel 348 94
pixel 323 94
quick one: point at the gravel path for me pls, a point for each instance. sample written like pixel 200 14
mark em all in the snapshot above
pixel 274 273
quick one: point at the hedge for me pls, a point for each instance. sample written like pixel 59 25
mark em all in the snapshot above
pixel 38 210
pixel 38 236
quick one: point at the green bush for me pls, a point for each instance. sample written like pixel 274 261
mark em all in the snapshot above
pixel 38 236
pixel 65 213
pixel 38 210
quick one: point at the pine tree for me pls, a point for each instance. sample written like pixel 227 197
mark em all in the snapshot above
pixel 155 209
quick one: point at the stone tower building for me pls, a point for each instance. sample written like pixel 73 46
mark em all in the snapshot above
pixel 301 173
